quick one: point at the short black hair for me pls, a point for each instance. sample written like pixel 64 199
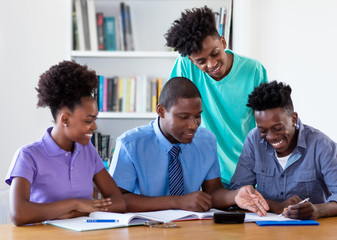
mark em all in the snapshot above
pixel 187 33
pixel 64 84
pixel 176 88
pixel 271 95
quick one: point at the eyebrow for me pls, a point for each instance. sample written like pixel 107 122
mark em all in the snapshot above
pixel 199 59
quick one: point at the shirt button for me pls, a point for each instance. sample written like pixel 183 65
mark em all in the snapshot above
pixel 66 154
pixel 281 193
pixel 71 168
pixel 282 175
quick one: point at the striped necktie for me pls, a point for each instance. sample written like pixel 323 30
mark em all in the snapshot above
pixel 176 181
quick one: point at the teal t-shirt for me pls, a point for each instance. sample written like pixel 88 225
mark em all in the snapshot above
pixel 224 105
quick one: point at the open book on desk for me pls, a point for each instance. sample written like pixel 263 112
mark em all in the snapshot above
pixel 103 220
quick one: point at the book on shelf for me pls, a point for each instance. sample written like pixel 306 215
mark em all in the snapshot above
pixel 92 23
pixel 129 34
pixel 105 94
pixel 100 31
pixel 118 220
pixel 224 19
pixel 75 29
pixel 85 21
pixel 100 92
pixel 79 24
pixel 103 144
pixel 110 33
pixel 126 27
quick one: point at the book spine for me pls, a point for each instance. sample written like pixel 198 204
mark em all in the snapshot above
pixel 92 25
pixel 115 94
pixel 132 94
pixel 124 25
pixel 85 19
pixel 105 94
pixel 120 94
pixel 110 33
pixel 110 94
pixel 154 95
pixel 100 93
pixel 130 45
pixel 100 31
pixel 79 20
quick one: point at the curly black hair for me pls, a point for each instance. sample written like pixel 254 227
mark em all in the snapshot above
pixel 187 34
pixel 175 88
pixel 64 84
pixel 271 95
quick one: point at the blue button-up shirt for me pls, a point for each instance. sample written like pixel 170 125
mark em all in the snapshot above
pixel 311 170
pixel 141 158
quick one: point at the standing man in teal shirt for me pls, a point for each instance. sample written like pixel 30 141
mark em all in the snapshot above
pixel 223 78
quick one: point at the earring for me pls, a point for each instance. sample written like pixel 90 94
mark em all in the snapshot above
pixel 65 125
pixel 295 125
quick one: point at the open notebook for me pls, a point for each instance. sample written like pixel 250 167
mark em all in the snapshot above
pixel 128 219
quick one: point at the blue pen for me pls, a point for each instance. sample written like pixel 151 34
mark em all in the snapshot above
pixel 101 220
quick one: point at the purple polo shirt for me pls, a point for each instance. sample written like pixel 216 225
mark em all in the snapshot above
pixel 55 174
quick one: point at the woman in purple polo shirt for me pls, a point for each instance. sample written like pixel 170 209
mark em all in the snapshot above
pixel 53 177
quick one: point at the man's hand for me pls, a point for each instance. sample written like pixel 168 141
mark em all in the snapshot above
pixel 195 201
pixel 305 210
pixel 250 199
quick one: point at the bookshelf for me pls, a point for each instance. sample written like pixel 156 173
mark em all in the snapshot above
pixel 150 20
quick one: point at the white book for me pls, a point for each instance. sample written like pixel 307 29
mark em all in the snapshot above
pixel 79 19
pixel 127 219
pixel 92 25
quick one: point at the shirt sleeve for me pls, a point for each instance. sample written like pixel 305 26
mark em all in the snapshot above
pixel 178 69
pixel 329 168
pixel 22 166
pixel 244 174
pixel 122 168
pixel 214 171
pixel 261 75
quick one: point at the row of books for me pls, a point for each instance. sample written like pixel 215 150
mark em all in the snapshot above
pixel 128 94
pixel 223 19
pixel 105 147
pixel 93 31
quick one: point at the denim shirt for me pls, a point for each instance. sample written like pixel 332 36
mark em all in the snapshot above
pixel 311 170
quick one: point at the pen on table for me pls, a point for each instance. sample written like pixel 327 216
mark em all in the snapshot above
pixel 303 201
pixel 101 220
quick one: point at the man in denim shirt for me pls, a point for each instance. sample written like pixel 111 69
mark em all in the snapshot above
pixel 287 160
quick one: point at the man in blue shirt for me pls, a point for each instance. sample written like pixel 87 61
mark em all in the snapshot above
pixel 141 165
pixel 287 160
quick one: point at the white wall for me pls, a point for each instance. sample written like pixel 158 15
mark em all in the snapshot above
pixel 296 40
pixel 33 36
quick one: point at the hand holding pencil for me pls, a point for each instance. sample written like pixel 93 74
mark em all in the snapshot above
pixel 302 210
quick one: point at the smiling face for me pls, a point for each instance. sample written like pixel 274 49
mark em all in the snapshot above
pixel 77 125
pixel 278 127
pixel 212 59
pixel 180 123
pixel 81 122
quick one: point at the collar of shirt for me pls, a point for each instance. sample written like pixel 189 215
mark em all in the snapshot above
pixel 162 139
pixel 52 148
